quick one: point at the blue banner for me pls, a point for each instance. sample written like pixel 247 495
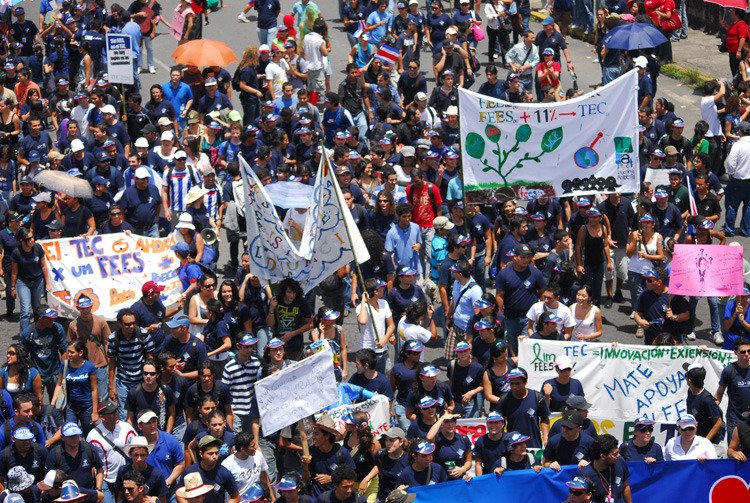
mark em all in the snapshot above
pixel 718 481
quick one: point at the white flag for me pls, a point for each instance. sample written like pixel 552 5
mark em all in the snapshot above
pixel 326 245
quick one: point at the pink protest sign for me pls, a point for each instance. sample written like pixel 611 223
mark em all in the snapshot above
pixel 706 271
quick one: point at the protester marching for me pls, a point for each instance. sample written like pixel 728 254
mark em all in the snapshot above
pixel 304 271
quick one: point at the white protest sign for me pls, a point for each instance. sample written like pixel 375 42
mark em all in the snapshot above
pixel 584 145
pixel 120 58
pixel 626 381
pixel 110 269
pixel 298 391
pixel 378 411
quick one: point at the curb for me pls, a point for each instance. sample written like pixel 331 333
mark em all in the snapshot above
pixel 685 74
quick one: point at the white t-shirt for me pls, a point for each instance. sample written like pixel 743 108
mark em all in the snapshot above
pixel 410 332
pixel 710 115
pixel 111 459
pixel 246 472
pixel 277 74
pixel 561 311
pixel 311 47
pixel 367 333
pixel 700 446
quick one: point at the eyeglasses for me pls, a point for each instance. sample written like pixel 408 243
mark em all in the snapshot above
pixel 209 285
pixel 131 324
pixel 116 213
pixel 129 489
pixel 149 373
pixel 577 492
pixel 12 353
pixel 648 429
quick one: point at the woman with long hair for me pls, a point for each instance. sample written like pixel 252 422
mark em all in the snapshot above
pixel 158 107
pixel 362 445
pixel 645 250
pixel 237 313
pixel 412 327
pixel 587 317
pixel 18 375
pixel 197 309
pixel 185 232
pixel 699 142
pixel 28 276
pixel 495 378
pixel 427 385
pixel 383 215
pixel 422 471
pixel 367 181
pixel 81 387
pixel 251 89
pixel 402 377
pixel 592 253
pixel 86 76
pixel 10 124
pixel 498 28
pixel 216 335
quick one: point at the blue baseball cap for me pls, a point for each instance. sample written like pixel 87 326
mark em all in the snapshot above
pixel 451 154
pixel 548 52
pixel 483 324
pixel 385 141
pixel 430 371
pixel 661 194
pixel 432 132
pixel 34 156
pixel 518 438
pixel 548 20
pixel 648 217
pixel 84 302
pixel 275 343
pixel 650 274
pixel 583 202
pixel 658 153
pixel 432 154
pixel 253 494
pixel 538 216
pixel 494 417
pixel 640 128
pixel 405 270
pixel 71 429
pixel 348 418
pixel 706 224
pixel 678 123
pixel 270 118
pixel 73 172
pixel 180 320
pixel 181 248
pixel 594 212
pixel 304 130
pixel 414 346
pixel 50 313
pixel 23 433
pixel 579 483
pixel 214 125
pixel 426 402
pixel 550 317
pixel 102 156
pixel 642 421
pixel 286 484
pixel 424 447
pixel 482 304
pixel 99 180
pixel 520 211
pixel 330 314
pixel 462 346
pixel 517 374
pixel 687 421
pixel 247 340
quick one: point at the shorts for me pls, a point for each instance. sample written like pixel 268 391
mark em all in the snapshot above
pixel 620 262
pixel 316 80
pixel 455 335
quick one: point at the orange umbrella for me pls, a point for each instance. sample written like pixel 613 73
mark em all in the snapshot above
pixel 203 52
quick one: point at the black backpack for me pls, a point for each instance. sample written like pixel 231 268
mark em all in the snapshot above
pixel 236 79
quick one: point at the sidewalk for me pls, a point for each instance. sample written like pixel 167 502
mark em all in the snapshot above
pixel 698 53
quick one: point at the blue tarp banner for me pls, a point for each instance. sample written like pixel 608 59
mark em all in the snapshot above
pixel 719 481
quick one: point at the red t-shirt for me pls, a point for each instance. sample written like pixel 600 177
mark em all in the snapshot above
pixel 549 80
pixel 735 32
pixel 423 203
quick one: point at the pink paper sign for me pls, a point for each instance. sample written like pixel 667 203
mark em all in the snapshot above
pixel 706 271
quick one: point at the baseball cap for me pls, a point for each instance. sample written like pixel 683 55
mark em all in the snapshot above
pixel 583 202
pixel 181 248
pixel 579 483
pixel 538 216
pixel 661 194
pixel 494 417
pixel 108 407
pixel 50 313
pixel 687 421
pixel 405 270
pixel 442 223
pixel 594 212
pixel 146 416
pixel 517 438
pixel 286 484
pixel 451 154
pixel 71 429
pixel 706 224
pixel 522 249
pixel 424 447
pixel 462 346
pixel 647 218
pixel 517 373
pixel 563 362
pixel 395 432
pixel 482 304
pixel 55 225
pixel 180 320
pixel 548 20
pixel 678 123
pixel 483 324
pixel 658 153
pixel 23 433
pixel 548 52
pixel 108 109
pixel 550 317
pixel 42 197
pixel 414 346
pixel 578 402
pixel 571 419
pixel 670 150
pixel 511 77
pixel 247 340
pixel 208 440
pixel 210 82
pixel 142 172
pixel 275 343
pixel 151 287
pixel 102 156
pixel 421 96
pixel 167 136
pixel 640 62
pixel 426 402
pixel 430 371
pixel 84 302
pixel 642 422
pixel 34 156
pixel 76 145
pixel 452 110
pixel 330 314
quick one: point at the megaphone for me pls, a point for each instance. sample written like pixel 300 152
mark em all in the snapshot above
pixel 209 236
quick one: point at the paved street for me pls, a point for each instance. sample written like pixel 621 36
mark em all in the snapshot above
pixel 224 26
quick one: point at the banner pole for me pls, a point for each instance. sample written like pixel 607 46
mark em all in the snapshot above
pixel 461 171
pixel 342 205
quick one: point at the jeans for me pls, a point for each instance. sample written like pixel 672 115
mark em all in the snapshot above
pixel 400 412
pixel 713 309
pixel 583 14
pixel 102 382
pixel 263 335
pixel 738 192
pixel 382 363
pixel 146 41
pixel 150 232
pixel 360 120
pixel 109 494
pixel 513 328
pixel 266 35
pixel 250 110
pixel 425 252
pixel 179 429
pixel 242 422
pixel 439 318
pixel 637 284
pixel 30 297
pixel 77 414
pixel 593 277
pixel 269 452
pixel 480 271
pixel 610 73
pixel 122 389
pixel 682 32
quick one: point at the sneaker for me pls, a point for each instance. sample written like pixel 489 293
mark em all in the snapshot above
pixel 139 70
pixel 618 296
pixel 718 338
pixel 691 336
pixel 151 69
pixel 639 333
pixel 608 302
pixel 674 39
pixel 242 19
pixel 683 36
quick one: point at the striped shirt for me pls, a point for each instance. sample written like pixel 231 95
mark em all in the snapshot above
pixel 212 200
pixel 129 355
pixel 241 380
pixel 178 185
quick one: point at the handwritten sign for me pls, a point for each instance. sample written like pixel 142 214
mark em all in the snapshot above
pixel 120 58
pixel 377 409
pixel 626 381
pixel 178 23
pixel 584 145
pixel 110 269
pixel 706 271
pixel 298 391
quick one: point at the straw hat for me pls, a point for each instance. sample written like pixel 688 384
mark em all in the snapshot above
pixel 326 423
pixel 194 486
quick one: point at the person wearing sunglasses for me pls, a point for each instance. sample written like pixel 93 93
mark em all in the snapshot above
pixel 580 490
pixel 642 447
pixel 688 444
pixel 733 381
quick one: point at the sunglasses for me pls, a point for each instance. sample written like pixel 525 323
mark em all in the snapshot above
pixel 149 373
pixel 648 429
pixel 12 353
pixel 743 351
pixel 209 285
pixel 131 324
pixel 577 492
pixel 116 213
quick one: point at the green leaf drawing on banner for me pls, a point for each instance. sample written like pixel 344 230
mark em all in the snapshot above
pixel 475 145
pixel 493 133
pixel 552 139
pixel 523 133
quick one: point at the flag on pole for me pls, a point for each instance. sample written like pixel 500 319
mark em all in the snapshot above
pixel 693 207
pixel 361 28
pixel 388 54
pixel 330 239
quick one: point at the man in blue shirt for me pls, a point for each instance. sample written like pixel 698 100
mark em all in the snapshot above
pixel 214 474
pixel 141 203
pixel 378 22
pixel 369 378
pixel 404 240
pixel 167 454
pixel 607 470
pixel 518 286
pixel 22 415
pixel 525 410
pixel 179 94
pixel 571 447
pixel 134 30
pixel 213 100
pixel 268 13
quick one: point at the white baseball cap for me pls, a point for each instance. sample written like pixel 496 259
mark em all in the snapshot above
pixel 142 172
pixel 108 109
pixel 76 145
pixel 640 62
pixel 167 136
pixel 141 142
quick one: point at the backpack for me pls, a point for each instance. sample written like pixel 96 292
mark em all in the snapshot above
pixel 236 79
pixel 430 187
pixel 193 177
pixel 84 446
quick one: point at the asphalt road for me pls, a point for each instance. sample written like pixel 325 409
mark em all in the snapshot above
pixel 224 26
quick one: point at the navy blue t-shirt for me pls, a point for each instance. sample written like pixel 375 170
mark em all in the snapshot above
pixel 388 470
pixel 520 289
pixel 412 478
pixel 147 315
pixel 706 411
pixel 631 452
pixel 441 392
pixel 568 453
pixel 488 451
pixel 404 377
pixel 418 428
pixel 78 468
pixel 325 463
pixel 455 450
pixel 668 221
pixel 617 474
pixel 141 207
pixel 378 384
pixel 523 415
pixel 588 428
pixel 220 477
pixel 736 380
pixel 561 392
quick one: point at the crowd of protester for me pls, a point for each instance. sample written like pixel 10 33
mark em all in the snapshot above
pixel 160 403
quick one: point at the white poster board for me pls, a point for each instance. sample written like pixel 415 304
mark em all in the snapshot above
pixel 120 59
